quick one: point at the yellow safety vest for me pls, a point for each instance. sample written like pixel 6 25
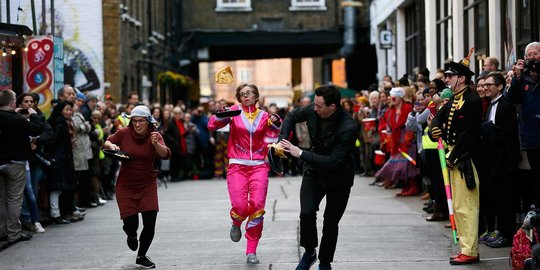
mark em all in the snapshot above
pixel 427 143
pixel 124 121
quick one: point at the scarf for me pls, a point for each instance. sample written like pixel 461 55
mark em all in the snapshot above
pixel 71 129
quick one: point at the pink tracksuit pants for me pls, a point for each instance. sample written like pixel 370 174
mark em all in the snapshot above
pixel 248 186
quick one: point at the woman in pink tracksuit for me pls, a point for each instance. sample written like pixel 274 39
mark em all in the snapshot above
pixel 247 175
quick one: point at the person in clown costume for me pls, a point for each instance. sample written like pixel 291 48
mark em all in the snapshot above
pixel 247 173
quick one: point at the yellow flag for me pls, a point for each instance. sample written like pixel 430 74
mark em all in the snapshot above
pixel 224 76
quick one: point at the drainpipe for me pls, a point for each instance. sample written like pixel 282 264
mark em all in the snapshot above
pixel 8 12
pixel 43 28
pixel 349 23
pixel 53 19
pixel 34 23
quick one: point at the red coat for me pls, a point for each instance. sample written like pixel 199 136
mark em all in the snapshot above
pixel 397 125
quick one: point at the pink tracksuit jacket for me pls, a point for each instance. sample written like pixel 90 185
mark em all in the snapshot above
pixel 247 174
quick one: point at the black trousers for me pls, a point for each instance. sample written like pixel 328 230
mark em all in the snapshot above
pixel 534 160
pixel 311 194
pixel 434 172
pixel 84 187
pixel 499 196
pixel 131 224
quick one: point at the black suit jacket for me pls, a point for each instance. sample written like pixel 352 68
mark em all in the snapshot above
pixel 500 141
pixel 329 158
pixel 464 133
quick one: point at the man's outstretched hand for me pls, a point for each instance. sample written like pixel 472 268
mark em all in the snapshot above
pixel 290 148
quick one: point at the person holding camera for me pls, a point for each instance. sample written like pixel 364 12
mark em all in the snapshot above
pixel 29 212
pixel 525 90
pixel 458 124
pixel 15 131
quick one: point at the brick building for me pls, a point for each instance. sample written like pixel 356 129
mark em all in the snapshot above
pixel 139 42
pixel 430 33
pixel 224 30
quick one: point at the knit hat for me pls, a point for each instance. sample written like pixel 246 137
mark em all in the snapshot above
pixel 446 93
pixel 90 96
pixel 81 96
pixel 397 92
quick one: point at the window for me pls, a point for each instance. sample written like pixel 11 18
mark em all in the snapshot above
pixel 415 37
pixel 444 32
pixel 233 5
pixel 528 28
pixel 271 24
pixel 245 75
pixel 476 33
pixel 300 5
pixel 508 53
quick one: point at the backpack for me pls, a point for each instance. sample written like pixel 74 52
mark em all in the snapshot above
pixel 521 248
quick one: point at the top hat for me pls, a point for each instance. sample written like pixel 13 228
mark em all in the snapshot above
pixel 461 68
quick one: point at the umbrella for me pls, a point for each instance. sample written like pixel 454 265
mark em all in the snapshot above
pixel 442 159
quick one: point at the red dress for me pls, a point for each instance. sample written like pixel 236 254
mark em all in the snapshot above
pixel 136 187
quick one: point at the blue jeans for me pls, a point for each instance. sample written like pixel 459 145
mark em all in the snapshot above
pixel 36 172
pixel 29 211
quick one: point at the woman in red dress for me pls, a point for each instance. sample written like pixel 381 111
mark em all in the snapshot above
pixel 398 168
pixel 136 188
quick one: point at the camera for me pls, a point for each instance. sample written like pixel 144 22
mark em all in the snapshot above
pixel 23 111
pixel 531 65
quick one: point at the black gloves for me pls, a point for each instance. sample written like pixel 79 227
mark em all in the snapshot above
pixel 277 121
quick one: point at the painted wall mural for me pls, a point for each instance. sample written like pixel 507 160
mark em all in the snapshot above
pixel 6 81
pixel 39 70
pixel 80 24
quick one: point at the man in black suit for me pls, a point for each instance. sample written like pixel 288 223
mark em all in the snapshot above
pixel 458 122
pixel 500 143
pixel 328 170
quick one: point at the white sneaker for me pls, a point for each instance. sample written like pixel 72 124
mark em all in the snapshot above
pixel 102 201
pixel 38 227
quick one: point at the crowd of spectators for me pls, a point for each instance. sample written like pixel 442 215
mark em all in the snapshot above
pixel 506 154
pixel 65 172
